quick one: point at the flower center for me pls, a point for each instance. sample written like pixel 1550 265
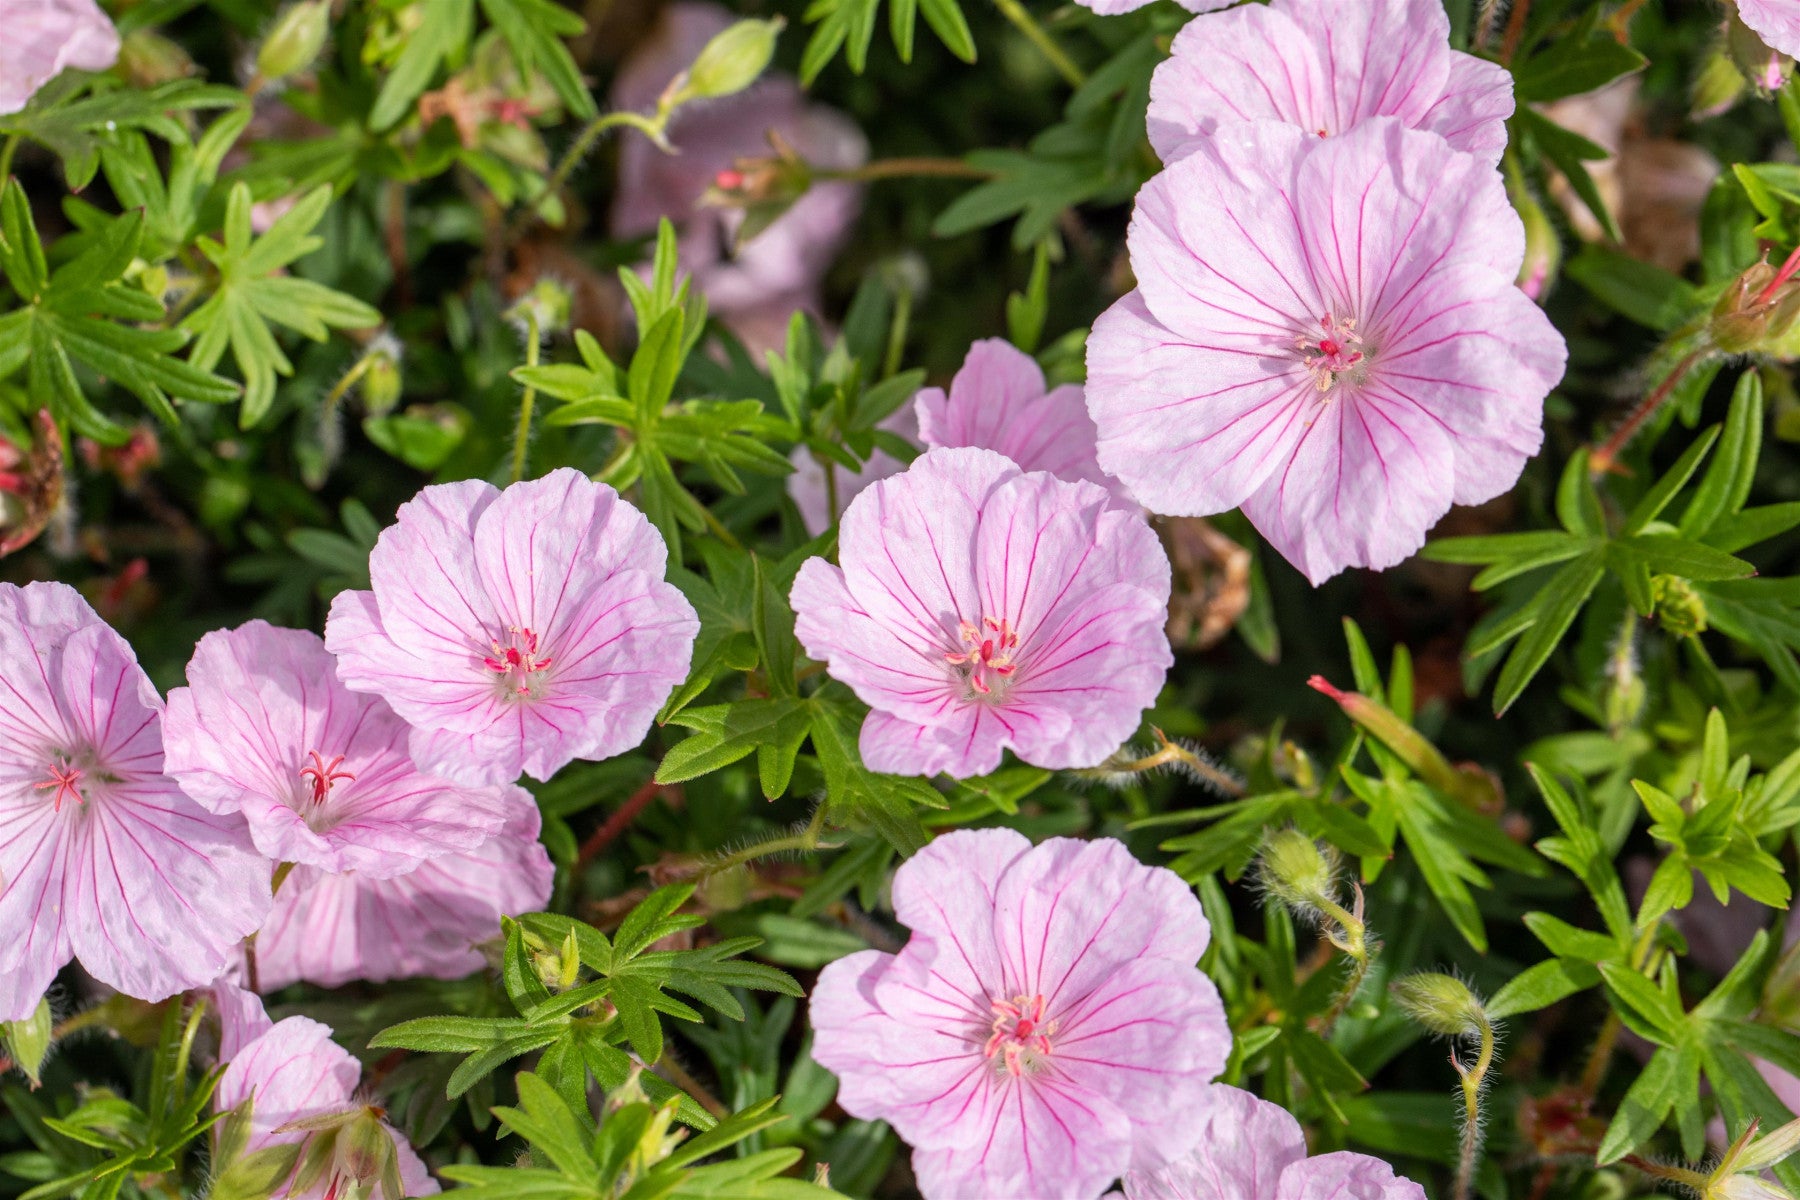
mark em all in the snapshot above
pixel 64 776
pixel 1331 351
pixel 1021 1035
pixel 516 660
pixel 323 774
pixel 988 655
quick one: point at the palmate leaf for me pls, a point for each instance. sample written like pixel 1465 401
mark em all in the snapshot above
pixel 82 313
pixel 74 127
pixel 251 293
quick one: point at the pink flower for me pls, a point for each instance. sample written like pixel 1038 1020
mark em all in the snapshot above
pixel 1776 22
pixel 1249 1149
pixel 756 287
pixel 295 1075
pixel 321 773
pixel 979 608
pixel 1044 1031
pixel 999 401
pixel 806 486
pixel 1325 333
pixel 44 38
pixel 331 929
pixel 1326 67
pixel 102 858
pixel 1112 8
pixel 516 630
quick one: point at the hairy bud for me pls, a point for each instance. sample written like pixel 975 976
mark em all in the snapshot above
pixel 731 62
pixel 1679 608
pixel 295 41
pixel 1441 1003
pixel 1297 872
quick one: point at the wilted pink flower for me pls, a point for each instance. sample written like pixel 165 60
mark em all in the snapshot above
pixel 102 858
pixel 297 1079
pixel 331 929
pixel 1776 22
pixel 1344 357
pixel 1249 1149
pixel 757 285
pixel 999 401
pixel 806 485
pixel 516 630
pixel 44 38
pixel 321 773
pixel 979 608
pixel 1326 68
pixel 1044 1031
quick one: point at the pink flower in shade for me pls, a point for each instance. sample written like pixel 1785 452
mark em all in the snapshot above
pixel 321 773
pixel 1776 22
pixel 44 38
pixel 979 607
pixel 295 1075
pixel 999 401
pixel 758 285
pixel 806 486
pixel 1045 1029
pixel 1327 67
pixel 1112 8
pixel 102 857
pixel 1249 1149
pixel 331 929
pixel 517 630
pixel 1326 334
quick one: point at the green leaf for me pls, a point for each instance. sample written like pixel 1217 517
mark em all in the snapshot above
pixel 1569 66
pixel 1569 153
pixel 443 32
pixel 1540 986
pixel 1671 1075
pixel 1634 288
pixel 534 30
pixel 1726 485
pixel 1555 610
pixel 725 733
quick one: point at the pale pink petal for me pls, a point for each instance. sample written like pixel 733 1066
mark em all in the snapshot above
pixel 1346 1176
pixel 1041 1139
pixel 331 929
pixel 999 401
pixel 1476 104
pixel 43 37
pixel 806 486
pixel 1070 913
pixel 1149 1037
pixel 941 893
pixel 261 704
pixel 1777 22
pixel 964 741
pixel 1241 1147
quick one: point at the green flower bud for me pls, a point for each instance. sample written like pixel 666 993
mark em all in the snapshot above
pixel 150 60
pixel 381 382
pixel 1441 1003
pixel 28 1041
pixel 1543 246
pixel 1297 872
pixel 295 41
pixel 730 62
pixel 1717 86
pixel 548 306
pixel 1678 606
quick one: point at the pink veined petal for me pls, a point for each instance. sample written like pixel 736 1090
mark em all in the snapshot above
pixel 1254 63
pixel 260 702
pixel 331 929
pixel 1034 1139
pixel 1151 1038
pixel 1476 104
pixel 1777 22
pixel 1241 1147
pixel 884 662
pixel 1190 428
pixel 968 740
pixel 1069 913
pixel 34 937
pixel 999 401
pixel 1379 58
pixel 1346 1176
pixel 946 892
pixel 369 660
pixel 1366 485
pixel 240 1013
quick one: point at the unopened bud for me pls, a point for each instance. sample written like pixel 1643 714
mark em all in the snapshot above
pixel 1679 608
pixel 1543 247
pixel 150 60
pixel 1441 1003
pixel 547 307
pixel 365 1148
pixel 28 1041
pixel 381 382
pixel 731 62
pixel 1717 86
pixel 1470 784
pixel 1764 68
pixel 1297 872
pixel 295 41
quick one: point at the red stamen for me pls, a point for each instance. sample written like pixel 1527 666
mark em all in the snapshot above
pixel 520 657
pixel 63 777
pixel 1019 1027
pixel 729 180
pixel 324 775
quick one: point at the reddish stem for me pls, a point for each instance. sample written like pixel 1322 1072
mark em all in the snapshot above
pixel 617 824
pixel 1604 458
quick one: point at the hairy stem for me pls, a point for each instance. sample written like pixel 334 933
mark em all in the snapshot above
pixel 1172 753
pixel 1040 37
pixel 522 438
pixel 651 127
pixel 1473 1080
pixel 1607 455
pixel 806 840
